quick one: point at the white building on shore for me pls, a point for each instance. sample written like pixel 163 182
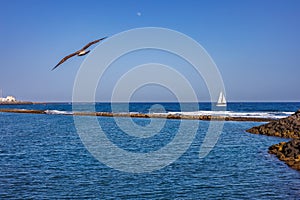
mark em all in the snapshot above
pixel 8 99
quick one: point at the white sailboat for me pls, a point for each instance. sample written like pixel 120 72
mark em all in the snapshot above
pixel 221 100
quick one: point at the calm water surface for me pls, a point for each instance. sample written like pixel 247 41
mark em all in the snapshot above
pixel 42 157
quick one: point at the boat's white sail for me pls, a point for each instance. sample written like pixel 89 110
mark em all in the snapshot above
pixel 221 100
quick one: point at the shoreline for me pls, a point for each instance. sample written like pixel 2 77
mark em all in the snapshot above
pixel 288 152
pixel 289 127
pixel 143 115
pixel 21 103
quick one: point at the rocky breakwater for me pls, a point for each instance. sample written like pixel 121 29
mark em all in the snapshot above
pixel 288 127
pixel 140 115
pixel 288 152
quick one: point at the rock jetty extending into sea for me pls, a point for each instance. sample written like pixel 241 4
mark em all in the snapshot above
pixel 144 115
pixel 288 127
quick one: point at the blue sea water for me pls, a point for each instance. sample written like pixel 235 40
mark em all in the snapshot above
pixel 43 157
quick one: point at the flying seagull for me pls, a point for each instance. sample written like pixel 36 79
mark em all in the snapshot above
pixel 80 52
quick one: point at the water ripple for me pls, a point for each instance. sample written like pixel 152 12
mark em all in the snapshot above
pixel 42 157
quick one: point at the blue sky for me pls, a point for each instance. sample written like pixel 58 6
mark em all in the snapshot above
pixel 255 44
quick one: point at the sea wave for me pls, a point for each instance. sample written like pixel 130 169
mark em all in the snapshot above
pixel 58 112
pixel 256 114
pixel 275 115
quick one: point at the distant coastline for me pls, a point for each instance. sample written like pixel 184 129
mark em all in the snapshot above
pixel 17 102
pixel 11 100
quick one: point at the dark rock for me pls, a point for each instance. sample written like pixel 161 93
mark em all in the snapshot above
pixel 288 127
pixel 289 152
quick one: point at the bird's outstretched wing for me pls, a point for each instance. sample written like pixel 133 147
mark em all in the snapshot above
pixel 77 52
pixel 64 59
pixel 91 43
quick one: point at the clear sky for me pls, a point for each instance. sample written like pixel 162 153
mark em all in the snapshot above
pixel 255 44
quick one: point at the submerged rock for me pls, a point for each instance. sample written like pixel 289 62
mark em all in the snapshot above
pixel 288 127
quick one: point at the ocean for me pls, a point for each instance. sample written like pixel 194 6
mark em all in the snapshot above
pixel 42 156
